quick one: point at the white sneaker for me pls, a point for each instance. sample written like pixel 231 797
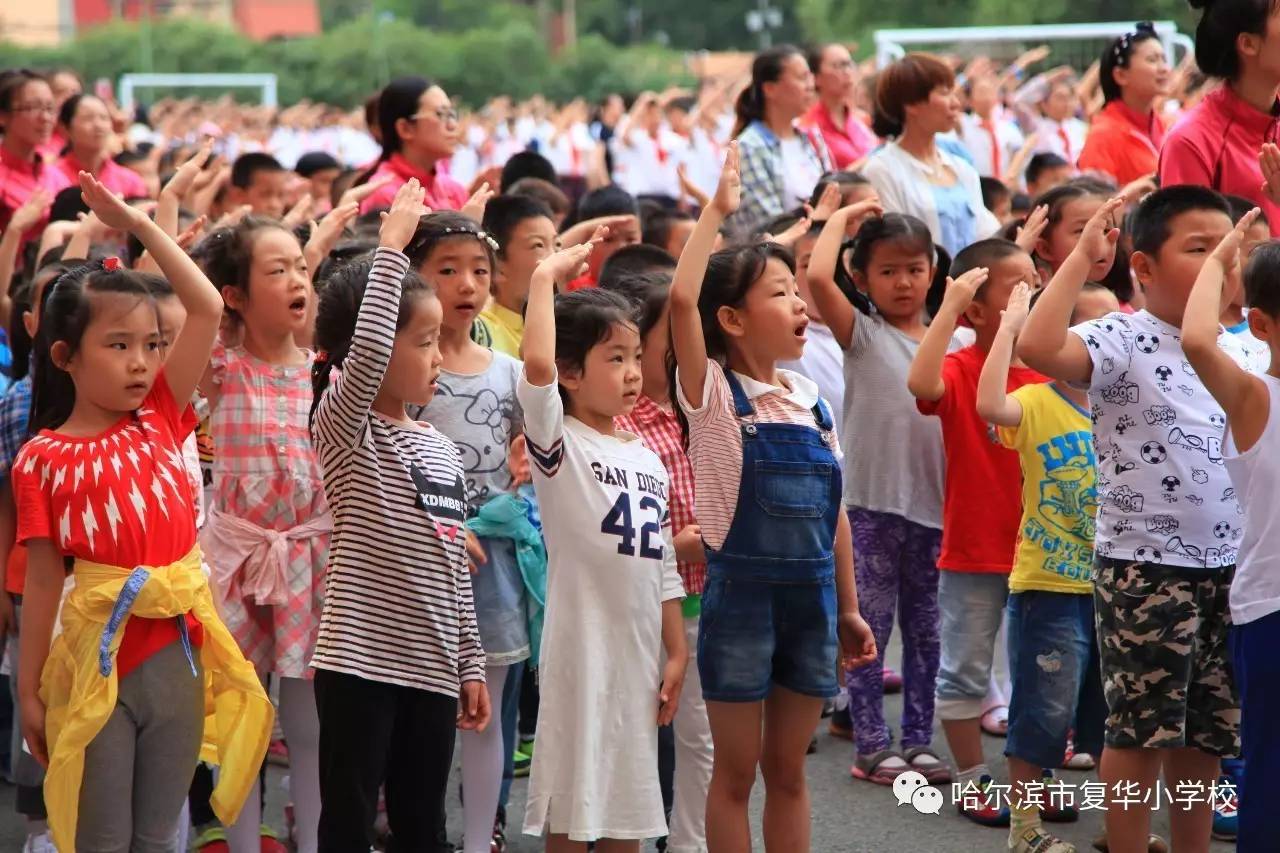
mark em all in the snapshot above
pixel 42 843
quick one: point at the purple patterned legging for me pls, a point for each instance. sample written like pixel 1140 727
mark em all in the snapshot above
pixel 897 569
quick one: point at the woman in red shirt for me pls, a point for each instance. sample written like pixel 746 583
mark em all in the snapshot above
pixel 419 130
pixel 85 121
pixel 27 114
pixel 835 114
pixel 1125 138
pixel 1216 144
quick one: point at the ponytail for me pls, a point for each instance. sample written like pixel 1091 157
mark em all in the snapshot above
pixel 397 100
pixel 767 67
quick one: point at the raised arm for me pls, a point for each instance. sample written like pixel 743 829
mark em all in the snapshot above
pixel 189 353
pixel 1045 344
pixel 344 409
pixel 836 310
pixel 689 346
pixel 539 344
pixel 994 404
pixel 924 379
pixel 1243 396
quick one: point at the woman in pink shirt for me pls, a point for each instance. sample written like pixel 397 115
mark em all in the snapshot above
pixel 85 121
pixel 1125 138
pixel 1217 143
pixel 27 114
pixel 419 130
pixel 835 115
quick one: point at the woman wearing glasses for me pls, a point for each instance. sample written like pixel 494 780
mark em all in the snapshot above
pixel 27 114
pixel 1125 138
pixel 419 131
pixel 836 115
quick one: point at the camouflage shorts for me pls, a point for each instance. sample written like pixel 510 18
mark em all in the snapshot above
pixel 1166 669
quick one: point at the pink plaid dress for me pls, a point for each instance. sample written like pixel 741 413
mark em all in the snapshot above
pixel 265 473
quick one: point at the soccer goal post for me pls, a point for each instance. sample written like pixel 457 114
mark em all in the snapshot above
pixel 265 83
pixel 893 44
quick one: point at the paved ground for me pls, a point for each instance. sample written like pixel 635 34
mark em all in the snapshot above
pixel 848 816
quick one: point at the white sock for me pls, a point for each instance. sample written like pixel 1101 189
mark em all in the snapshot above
pixel 482 761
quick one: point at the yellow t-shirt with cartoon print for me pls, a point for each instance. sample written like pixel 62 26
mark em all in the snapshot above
pixel 1059 493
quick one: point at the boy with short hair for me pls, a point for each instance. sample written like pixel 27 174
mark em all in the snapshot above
pixel 259 181
pixel 525 234
pixel 982 501
pixel 1053 654
pixel 1167 521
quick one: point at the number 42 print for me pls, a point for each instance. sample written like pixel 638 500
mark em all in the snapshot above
pixel 619 523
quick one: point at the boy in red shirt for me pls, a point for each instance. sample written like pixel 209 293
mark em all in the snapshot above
pixel 982 501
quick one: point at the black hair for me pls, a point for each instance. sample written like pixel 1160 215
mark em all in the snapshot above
pixel 1240 206
pixel 611 200
pixel 905 230
pixel 765 68
pixel 648 292
pixel 315 161
pixel 1057 198
pixel 435 228
pixel 730 274
pixel 1262 279
pixel 249 164
pixel 1043 162
pixel 12 82
pixel 584 319
pixel 1020 203
pixel 504 213
pixel 20 342
pixel 844 179
pixel 993 192
pixel 637 258
pixel 67 112
pixel 1154 217
pixel 1221 23
pixel 226 254
pixel 984 253
pixel 398 99
pixel 684 103
pixel 129 157
pixel 67 204
pixel 526 164
pixel 544 191
pixel 336 314
pixel 1117 53
pixel 657 226
pixel 65 312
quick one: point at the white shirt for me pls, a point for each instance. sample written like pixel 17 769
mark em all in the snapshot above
pixel 976 138
pixel 1049 138
pixel 1163 492
pixel 800 172
pixel 823 363
pixel 610 567
pixel 902 183
pixel 1255 474
pixel 646 165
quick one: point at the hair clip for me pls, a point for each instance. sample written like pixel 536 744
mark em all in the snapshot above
pixel 1125 43
pixel 111 264
pixel 321 356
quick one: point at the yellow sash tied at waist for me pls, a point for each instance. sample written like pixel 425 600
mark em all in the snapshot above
pixel 79 684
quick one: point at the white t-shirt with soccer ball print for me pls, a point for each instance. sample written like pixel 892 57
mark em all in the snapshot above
pixel 1163 493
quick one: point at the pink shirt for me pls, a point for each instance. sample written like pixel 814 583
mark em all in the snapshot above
pixel 1216 144
pixel 120 180
pixel 1122 143
pixel 19 179
pixel 715 439
pixel 443 192
pixel 848 142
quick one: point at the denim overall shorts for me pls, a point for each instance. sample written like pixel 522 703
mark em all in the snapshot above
pixel 769 606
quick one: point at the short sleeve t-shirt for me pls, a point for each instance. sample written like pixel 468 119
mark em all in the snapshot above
pixel 120 498
pixel 1164 495
pixel 481 414
pixel 982 496
pixel 1059 493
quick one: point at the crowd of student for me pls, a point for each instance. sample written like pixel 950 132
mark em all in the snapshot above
pixel 675 406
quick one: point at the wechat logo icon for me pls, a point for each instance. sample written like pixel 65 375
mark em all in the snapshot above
pixel 911 787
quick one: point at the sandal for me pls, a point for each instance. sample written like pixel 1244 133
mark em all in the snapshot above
pixel 871 768
pixel 995 721
pixel 1155 844
pixel 935 771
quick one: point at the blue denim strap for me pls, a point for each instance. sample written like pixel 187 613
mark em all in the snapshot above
pixel 124 603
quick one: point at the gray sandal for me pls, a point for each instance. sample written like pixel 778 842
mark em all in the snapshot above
pixel 936 772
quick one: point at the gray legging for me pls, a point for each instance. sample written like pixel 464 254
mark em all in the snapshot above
pixel 139 767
